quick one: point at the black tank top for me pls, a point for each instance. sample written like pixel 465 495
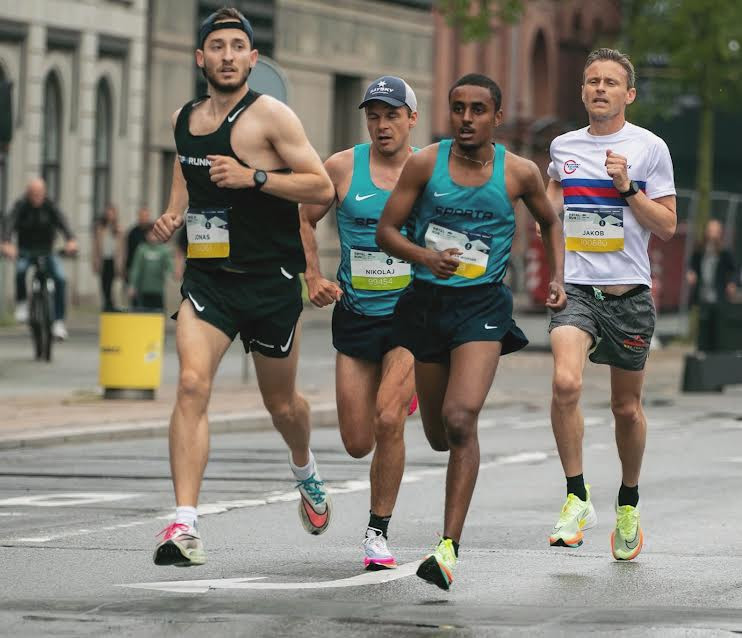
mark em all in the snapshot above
pixel 263 229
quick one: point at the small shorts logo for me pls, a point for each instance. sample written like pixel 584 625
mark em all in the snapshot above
pixel 570 166
pixel 637 344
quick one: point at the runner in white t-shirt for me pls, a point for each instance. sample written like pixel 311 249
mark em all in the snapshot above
pixel 614 181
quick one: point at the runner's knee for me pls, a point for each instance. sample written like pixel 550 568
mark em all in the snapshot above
pixel 626 411
pixel 283 409
pixel 358 447
pixel 460 424
pixel 193 385
pixel 567 387
pixel 388 422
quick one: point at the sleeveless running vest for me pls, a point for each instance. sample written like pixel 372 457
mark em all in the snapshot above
pixel 263 229
pixel 478 220
pixel 371 280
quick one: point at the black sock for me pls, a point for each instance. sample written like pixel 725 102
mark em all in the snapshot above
pixel 628 495
pixel 455 545
pixel 576 486
pixel 379 522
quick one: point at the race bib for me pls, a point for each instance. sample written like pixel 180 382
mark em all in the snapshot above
pixel 208 233
pixel 474 246
pixel 598 229
pixel 372 269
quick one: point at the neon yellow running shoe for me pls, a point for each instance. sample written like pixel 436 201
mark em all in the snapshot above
pixel 627 539
pixel 576 515
pixel 437 568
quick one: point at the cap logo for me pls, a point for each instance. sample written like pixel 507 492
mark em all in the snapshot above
pixel 382 83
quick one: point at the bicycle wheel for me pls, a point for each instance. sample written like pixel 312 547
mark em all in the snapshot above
pixel 35 314
pixel 46 324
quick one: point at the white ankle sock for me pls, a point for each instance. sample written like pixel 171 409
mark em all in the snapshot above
pixel 303 473
pixel 186 514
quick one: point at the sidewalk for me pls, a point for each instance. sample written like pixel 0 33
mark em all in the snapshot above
pixel 46 414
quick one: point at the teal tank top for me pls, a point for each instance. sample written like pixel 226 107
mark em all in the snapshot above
pixel 371 280
pixel 478 220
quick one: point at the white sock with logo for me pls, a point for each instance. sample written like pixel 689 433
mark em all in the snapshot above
pixel 187 515
pixel 303 473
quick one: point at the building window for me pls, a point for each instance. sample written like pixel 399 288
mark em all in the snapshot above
pixel 51 142
pixel 346 128
pixel 168 159
pixel 6 93
pixel 102 166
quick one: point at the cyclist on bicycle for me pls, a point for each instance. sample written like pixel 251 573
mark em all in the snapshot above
pixel 36 220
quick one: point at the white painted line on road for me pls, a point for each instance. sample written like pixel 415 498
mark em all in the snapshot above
pixel 65 500
pixel 347 487
pixel 11 514
pixel 203 586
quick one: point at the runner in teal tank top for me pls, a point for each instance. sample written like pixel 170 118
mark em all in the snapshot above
pixel 457 316
pixel 479 221
pixel 370 279
pixel 374 375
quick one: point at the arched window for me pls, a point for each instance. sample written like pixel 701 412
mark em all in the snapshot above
pixel 102 156
pixel 3 151
pixel 51 141
pixel 539 77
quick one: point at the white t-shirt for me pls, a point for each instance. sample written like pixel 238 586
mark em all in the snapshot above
pixel 605 244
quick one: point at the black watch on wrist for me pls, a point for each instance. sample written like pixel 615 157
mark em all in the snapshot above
pixel 260 178
pixel 633 190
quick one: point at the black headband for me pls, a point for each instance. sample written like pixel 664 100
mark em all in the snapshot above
pixel 209 25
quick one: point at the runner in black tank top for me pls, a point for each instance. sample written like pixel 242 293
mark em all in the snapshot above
pixel 241 277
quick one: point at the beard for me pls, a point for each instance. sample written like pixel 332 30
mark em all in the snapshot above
pixel 226 87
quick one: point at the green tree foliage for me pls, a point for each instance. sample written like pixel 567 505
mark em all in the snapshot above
pixel 692 46
pixel 472 18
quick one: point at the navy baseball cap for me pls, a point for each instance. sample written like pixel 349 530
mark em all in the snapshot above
pixel 392 90
pixel 210 24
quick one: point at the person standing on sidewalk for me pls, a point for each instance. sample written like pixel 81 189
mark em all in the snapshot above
pixel 151 265
pixel 456 316
pixel 614 181
pixel 374 378
pixel 108 247
pixel 243 161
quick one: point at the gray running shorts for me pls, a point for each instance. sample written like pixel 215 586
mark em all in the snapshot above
pixel 621 326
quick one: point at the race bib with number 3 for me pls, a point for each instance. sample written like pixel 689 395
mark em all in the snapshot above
pixel 595 229
pixel 372 269
pixel 475 248
pixel 208 233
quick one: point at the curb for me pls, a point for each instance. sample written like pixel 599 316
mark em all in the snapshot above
pixel 322 415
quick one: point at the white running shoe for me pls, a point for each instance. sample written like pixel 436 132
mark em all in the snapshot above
pixel 378 556
pixel 59 331
pixel 181 546
pixel 21 311
pixel 315 508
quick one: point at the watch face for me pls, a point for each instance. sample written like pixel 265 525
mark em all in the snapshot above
pixel 260 177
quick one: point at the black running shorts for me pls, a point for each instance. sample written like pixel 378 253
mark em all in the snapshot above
pixel 263 310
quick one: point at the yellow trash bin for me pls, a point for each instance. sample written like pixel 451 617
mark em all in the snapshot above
pixel 131 345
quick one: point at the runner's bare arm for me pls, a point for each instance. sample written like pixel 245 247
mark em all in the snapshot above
pixel 172 218
pixel 658 216
pixel 542 208
pixel 322 291
pixel 415 175
pixel 308 182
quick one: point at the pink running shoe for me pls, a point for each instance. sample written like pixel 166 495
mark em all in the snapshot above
pixel 413 405
pixel 181 546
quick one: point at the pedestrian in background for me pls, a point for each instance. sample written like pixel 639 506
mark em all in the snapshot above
pixel 135 236
pixel 150 267
pixel 107 253
pixel 712 276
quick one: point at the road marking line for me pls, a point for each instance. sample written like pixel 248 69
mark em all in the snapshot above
pixel 346 487
pixel 65 500
pixel 203 586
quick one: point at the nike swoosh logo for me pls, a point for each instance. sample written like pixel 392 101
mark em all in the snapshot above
pixel 231 118
pixel 288 343
pixel 317 520
pixel 195 303
pixel 435 194
pixel 286 273
pixel 635 541
pixel 360 198
pixel 489 327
